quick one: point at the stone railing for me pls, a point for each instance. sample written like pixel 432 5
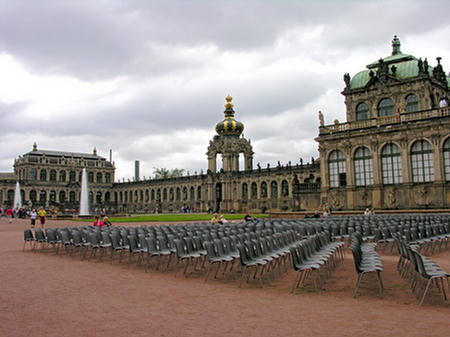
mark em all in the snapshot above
pixel 385 120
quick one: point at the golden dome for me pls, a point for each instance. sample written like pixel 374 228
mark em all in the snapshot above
pixel 229 126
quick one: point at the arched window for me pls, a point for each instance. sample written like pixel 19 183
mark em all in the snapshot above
pixel 336 169
pixel 62 175
pixel 107 178
pixel 263 190
pixel 412 103
pixel 284 188
pixel 72 176
pixel 43 175
pixel 120 196
pixel 42 196
pixel 422 162
pixel 363 167
pixel 274 189
pixel 244 191
pixel 98 197
pixel 52 175
pixel 99 177
pixel 447 159
pixel 386 107
pixel 192 193
pixel 146 195
pixel 178 193
pixel 125 196
pixel 90 177
pixel 136 196
pixel 62 196
pixel 33 195
pixel 32 174
pixel 165 194
pixel 391 164
pixel 141 196
pixel 91 198
pixel 199 193
pixel 107 197
pixel 362 112
pixel 254 190
pixel 152 195
pixel 10 196
pixel 52 196
pixel 72 196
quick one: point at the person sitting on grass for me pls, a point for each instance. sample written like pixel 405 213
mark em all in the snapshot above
pixel 248 217
pixel 215 219
pixel 97 222
pixel 107 222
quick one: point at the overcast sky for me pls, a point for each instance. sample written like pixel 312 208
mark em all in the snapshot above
pixel 148 79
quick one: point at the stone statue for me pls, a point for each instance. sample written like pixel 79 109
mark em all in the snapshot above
pixel 425 66
pixel 347 79
pixel 321 120
pixel 420 65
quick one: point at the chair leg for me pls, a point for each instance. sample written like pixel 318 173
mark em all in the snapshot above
pixel 425 292
pixel 357 284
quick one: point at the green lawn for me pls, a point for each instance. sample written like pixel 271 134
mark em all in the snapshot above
pixel 174 217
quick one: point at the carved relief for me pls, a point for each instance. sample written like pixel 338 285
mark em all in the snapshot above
pixel 422 195
pixel 391 199
pixel 335 199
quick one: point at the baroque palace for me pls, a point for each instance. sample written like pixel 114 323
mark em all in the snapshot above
pixel 393 152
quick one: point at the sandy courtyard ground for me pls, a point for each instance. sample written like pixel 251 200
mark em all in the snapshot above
pixel 43 294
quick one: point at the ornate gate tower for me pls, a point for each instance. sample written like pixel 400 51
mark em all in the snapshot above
pixel 229 143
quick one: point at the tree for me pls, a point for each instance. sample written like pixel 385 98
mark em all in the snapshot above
pixel 164 173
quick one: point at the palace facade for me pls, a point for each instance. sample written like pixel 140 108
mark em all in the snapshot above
pixel 393 152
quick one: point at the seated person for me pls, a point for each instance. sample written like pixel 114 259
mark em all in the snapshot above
pixel 215 219
pixel 248 217
pixel 97 222
pixel 222 219
pixel 106 221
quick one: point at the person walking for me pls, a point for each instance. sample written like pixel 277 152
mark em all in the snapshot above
pixel 9 214
pixel 33 216
pixel 42 213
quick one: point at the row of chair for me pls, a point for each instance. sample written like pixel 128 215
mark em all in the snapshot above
pixel 417 269
pixel 315 254
pixel 366 260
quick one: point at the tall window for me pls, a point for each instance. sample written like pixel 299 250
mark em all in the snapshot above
pixel 363 167
pixel 199 193
pixel 447 159
pixel 284 188
pixel 91 177
pixel 165 194
pixel 32 174
pixel 422 162
pixel 71 196
pixel 391 164
pixel 62 175
pixel 52 175
pixel 107 196
pixel 244 191
pixel 178 193
pixel 254 190
pixel 107 178
pixel 386 107
pixel 412 103
pixel 362 112
pixel 62 196
pixel 42 196
pixel 152 195
pixel 336 169
pixel 99 177
pixel 274 189
pixel 72 176
pixel 263 190
pixel 43 175
pixel 192 193
pixel 33 195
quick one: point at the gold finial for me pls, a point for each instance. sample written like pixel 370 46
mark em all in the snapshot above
pixel 229 105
